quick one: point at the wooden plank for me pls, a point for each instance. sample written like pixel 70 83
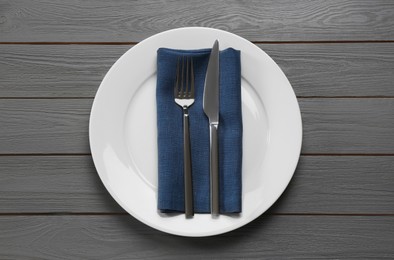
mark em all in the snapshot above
pixel 339 126
pixel 321 185
pixel 269 237
pixel 44 126
pixel 55 70
pixel 52 184
pixel 334 70
pixel 286 20
pixel 364 69
pixel 348 125
pixel 340 185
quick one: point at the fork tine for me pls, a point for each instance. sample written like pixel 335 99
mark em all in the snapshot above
pixel 182 77
pixel 176 84
pixel 187 83
pixel 191 78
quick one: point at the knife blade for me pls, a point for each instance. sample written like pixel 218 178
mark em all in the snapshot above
pixel 211 109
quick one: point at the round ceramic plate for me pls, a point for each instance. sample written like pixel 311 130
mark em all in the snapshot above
pixel 123 134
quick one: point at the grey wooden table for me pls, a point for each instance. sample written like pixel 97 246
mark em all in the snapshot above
pixel 339 57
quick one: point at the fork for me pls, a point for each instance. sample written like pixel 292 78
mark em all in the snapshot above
pixel 184 97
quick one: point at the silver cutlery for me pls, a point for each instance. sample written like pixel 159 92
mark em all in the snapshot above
pixel 211 109
pixel 184 97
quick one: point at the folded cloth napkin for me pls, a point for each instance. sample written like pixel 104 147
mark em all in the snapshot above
pixel 170 133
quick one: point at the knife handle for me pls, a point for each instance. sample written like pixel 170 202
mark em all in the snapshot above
pixel 189 211
pixel 214 169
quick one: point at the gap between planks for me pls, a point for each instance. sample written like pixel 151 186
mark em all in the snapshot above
pixel 255 42
pixel 302 154
pixel 125 214
pixel 298 97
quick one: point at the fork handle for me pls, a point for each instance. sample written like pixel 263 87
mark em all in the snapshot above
pixel 214 169
pixel 189 212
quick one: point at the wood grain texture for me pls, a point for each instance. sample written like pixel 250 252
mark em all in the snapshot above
pixel 348 125
pixel 52 184
pixel 340 185
pixel 122 237
pixel 44 126
pixel 340 126
pixel 328 70
pixel 321 185
pixel 336 70
pixel 55 71
pixel 117 21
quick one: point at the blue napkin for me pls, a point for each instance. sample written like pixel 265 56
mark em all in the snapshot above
pixel 170 133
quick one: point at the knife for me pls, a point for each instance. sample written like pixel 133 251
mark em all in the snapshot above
pixel 211 109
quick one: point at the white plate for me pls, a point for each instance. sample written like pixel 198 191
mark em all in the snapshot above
pixel 123 135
